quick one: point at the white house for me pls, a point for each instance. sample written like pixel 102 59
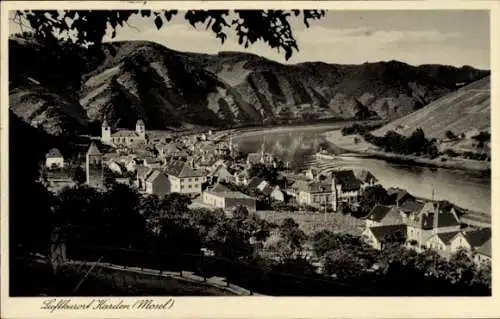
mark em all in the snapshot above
pixel 427 220
pixel 184 178
pixel 221 174
pixel 346 188
pixel 315 194
pixel 54 159
pixel 376 236
pixel 470 240
pixel 441 242
pixel 222 197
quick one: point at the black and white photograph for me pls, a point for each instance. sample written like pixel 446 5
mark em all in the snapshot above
pixel 247 152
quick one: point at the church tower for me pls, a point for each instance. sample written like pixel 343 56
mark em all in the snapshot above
pixel 105 132
pixel 94 167
pixel 140 129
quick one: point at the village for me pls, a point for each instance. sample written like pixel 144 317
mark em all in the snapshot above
pixel 209 169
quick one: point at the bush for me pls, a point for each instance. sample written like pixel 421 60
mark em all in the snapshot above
pixel 358 129
pixel 450 153
pixel 450 135
pixel 416 144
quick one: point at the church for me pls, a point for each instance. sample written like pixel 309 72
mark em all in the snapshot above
pixel 123 137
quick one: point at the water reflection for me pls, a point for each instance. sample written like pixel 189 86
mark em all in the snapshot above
pixel 467 189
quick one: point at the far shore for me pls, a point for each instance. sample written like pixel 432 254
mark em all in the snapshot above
pixel 283 128
pixel 368 150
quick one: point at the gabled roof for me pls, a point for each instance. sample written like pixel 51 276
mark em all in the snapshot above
pixel 412 206
pixel 478 238
pixel 445 219
pixel 366 176
pixel 398 194
pixel 380 232
pixel 485 248
pixel 318 187
pixel 54 153
pixel 219 188
pixel 379 212
pixel 155 174
pixel 447 237
pixel 254 182
pixel 182 169
pixel 347 179
pixel 93 150
pixel 218 169
pixel 267 190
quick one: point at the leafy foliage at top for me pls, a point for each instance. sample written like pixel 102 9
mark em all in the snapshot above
pixel 88 27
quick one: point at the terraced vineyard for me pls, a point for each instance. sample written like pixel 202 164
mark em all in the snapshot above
pixel 461 111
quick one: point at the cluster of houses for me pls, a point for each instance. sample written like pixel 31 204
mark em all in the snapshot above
pixel 202 166
pixel 424 225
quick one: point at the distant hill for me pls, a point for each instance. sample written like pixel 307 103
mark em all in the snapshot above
pixel 73 90
pixel 465 110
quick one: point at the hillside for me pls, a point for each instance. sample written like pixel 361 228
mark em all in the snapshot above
pixel 463 111
pixel 72 90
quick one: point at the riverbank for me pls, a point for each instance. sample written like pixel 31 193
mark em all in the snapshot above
pixel 284 128
pixel 348 144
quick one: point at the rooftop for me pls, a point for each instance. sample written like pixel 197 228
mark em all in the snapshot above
pixel 54 153
pixel 379 212
pixel 154 175
pixel 478 238
pixel 93 150
pixel 347 179
pixel 381 232
pixel 125 133
pixel 182 169
pixel 447 237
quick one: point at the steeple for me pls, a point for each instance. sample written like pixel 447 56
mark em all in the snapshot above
pixel 140 128
pixel 105 132
pixel 94 167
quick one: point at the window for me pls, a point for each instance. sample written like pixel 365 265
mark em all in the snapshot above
pixel 189 186
pixel 190 180
pixel 182 186
pixel 196 179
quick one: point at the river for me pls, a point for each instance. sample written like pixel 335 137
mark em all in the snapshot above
pixel 297 145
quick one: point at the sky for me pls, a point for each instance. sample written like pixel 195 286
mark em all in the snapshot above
pixel 416 37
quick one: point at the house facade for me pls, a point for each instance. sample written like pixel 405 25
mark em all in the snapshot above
pixel 315 194
pixel 346 188
pixel 427 221
pixel 377 236
pixel 184 179
pixel 221 174
pixel 221 197
pixel 54 159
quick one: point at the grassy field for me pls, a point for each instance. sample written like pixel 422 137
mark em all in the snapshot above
pixel 311 222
